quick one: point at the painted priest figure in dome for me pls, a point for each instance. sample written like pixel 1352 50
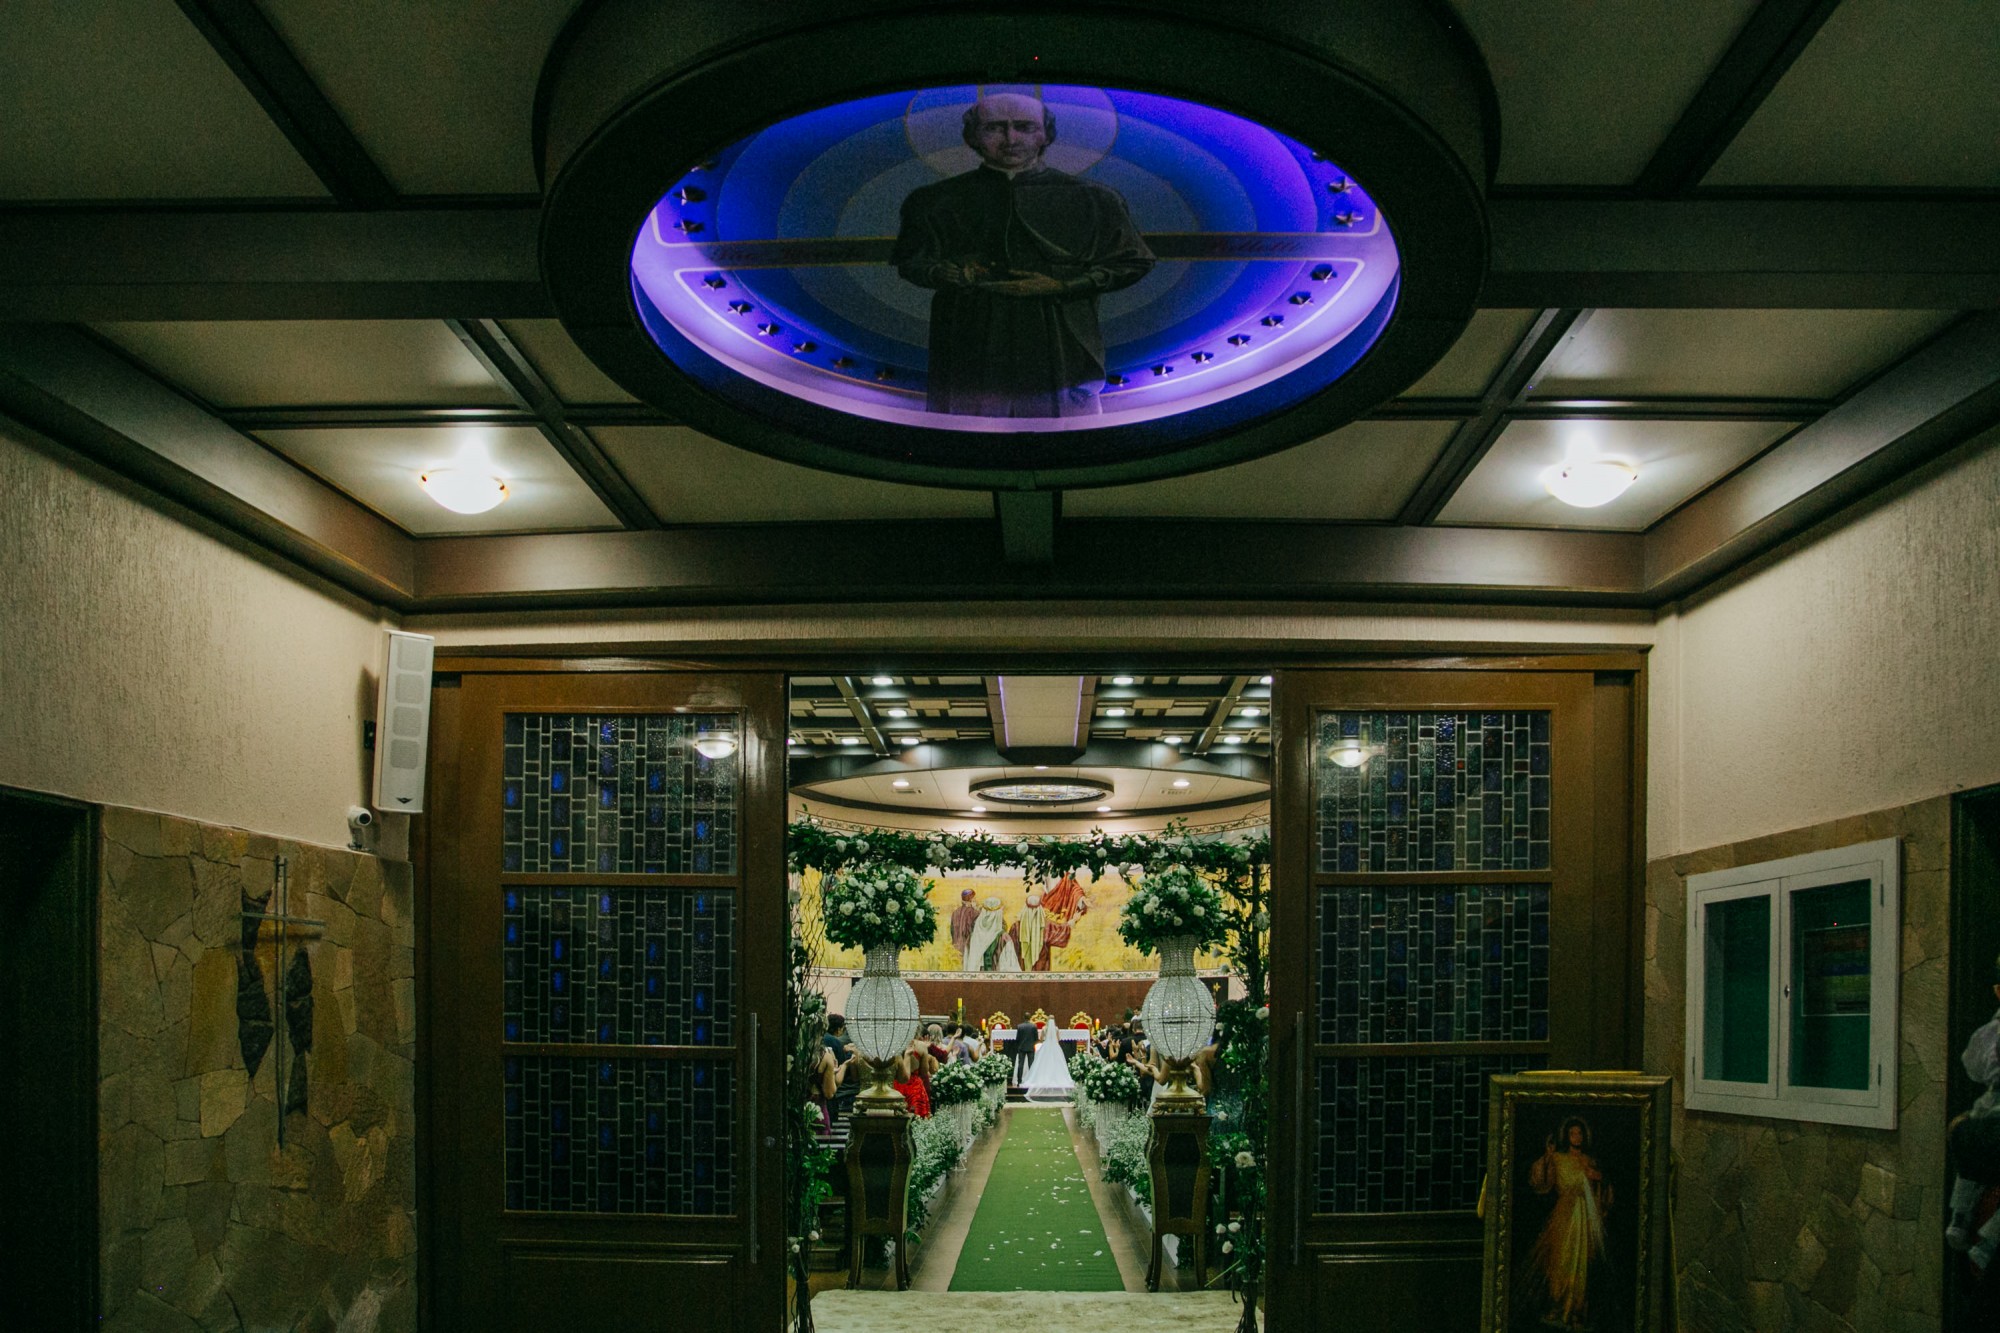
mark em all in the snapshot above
pixel 1016 255
pixel 962 922
pixel 991 945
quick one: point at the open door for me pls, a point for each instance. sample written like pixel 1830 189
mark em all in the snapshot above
pixel 1453 882
pixel 605 946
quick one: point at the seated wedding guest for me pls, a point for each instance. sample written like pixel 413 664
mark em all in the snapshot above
pixel 912 1076
pixel 1139 1054
pixel 847 1080
pixel 939 1048
pixel 961 1047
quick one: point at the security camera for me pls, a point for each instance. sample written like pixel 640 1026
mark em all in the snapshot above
pixel 359 816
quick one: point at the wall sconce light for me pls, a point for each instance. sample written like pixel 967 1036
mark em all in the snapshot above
pixel 1348 752
pixel 715 745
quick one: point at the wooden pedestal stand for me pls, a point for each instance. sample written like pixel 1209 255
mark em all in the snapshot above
pixel 1177 1150
pixel 878 1187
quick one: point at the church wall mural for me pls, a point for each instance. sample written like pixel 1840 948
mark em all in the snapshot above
pixel 999 923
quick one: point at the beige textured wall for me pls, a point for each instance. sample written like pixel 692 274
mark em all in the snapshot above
pixel 147 664
pixel 1859 671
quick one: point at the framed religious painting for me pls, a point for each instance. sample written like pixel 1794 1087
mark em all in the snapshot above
pixel 1576 1203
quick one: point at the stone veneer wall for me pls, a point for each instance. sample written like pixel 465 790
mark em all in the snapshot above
pixel 206 1223
pixel 1784 1224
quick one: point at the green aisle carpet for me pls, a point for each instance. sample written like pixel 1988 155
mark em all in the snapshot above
pixel 1036 1228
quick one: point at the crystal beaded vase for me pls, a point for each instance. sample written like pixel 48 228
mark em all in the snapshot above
pixel 882 1016
pixel 1179 1014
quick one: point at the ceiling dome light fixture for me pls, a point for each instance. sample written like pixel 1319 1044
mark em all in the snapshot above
pixel 899 712
pixel 1249 712
pixel 978 809
pixel 1121 680
pixel 1588 483
pixel 1103 809
pixel 715 745
pixel 1114 712
pixel 463 492
pixel 911 740
pixel 1180 784
pixel 850 740
pixel 884 680
pixel 901 784
pixel 1172 740
pixel 1042 791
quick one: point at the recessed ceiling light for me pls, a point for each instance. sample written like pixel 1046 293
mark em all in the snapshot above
pixel 463 492
pixel 1180 784
pixel 1172 740
pixel 1263 680
pixel 901 784
pixel 1248 712
pixel 1121 680
pixel 1588 483
pixel 910 740
pixel 1232 740
pixel 884 680
pixel 1041 768
pixel 899 712
pixel 1103 809
pixel 850 740
pixel 978 809
pixel 1114 712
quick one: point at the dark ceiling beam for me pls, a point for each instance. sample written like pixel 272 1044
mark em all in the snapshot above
pixel 1217 719
pixel 62 382
pixel 1028 526
pixel 872 733
pixel 1752 253
pixel 1770 40
pixel 258 57
pixel 1469 443
pixel 944 560
pixel 511 370
pixel 423 262
pixel 85 265
pixel 1934 399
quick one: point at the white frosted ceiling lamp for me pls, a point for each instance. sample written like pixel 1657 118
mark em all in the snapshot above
pixel 715 744
pixel 1121 680
pixel 883 680
pixel 850 740
pixel 1587 483
pixel 1172 740
pixel 899 712
pixel 910 740
pixel 461 490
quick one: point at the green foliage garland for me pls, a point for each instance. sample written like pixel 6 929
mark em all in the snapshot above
pixel 815 846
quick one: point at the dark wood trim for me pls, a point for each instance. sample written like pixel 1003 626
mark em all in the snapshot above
pixel 1336 1050
pixel 1208 657
pixel 259 58
pixel 595 881
pixel 1936 398
pixel 1442 879
pixel 513 371
pixel 1768 43
pixel 63 383
pixel 1472 440
pixel 590 1050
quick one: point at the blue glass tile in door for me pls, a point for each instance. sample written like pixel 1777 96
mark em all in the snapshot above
pixel 1407 1133
pixel 1414 963
pixel 622 1135
pixel 1438 791
pixel 628 967
pixel 583 793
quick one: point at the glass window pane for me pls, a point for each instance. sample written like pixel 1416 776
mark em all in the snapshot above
pixel 1736 1005
pixel 1830 985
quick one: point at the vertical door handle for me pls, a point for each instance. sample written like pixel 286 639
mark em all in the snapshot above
pixel 1298 1135
pixel 755 1144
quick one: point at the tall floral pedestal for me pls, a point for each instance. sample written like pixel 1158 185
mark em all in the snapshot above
pixel 878 1189
pixel 1179 1014
pixel 881 1017
pixel 1177 1153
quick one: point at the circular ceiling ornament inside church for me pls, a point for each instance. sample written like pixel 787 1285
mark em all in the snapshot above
pixel 1041 791
pixel 1011 263
pixel 977 248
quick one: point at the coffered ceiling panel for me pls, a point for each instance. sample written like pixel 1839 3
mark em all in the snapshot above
pixel 379 467
pixel 1476 357
pixel 574 376
pixel 1362 472
pixel 123 99
pixel 1588 91
pixel 1889 93
pixel 1731 353
pixel 686 477
pixel 1675 460
pixel 293 363
pixel 442 95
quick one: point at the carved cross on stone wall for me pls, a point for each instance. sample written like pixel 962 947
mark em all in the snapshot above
pixel 290 989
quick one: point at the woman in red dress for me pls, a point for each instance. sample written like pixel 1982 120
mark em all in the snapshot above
pixel 912 1070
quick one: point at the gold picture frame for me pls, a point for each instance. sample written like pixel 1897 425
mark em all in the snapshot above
pixel 1577 1173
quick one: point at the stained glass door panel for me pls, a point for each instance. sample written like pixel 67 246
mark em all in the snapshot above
pixel 606 1029
pixel 1435 916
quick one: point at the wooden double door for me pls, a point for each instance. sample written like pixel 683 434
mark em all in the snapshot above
pixel 1454 889
pixel 603 949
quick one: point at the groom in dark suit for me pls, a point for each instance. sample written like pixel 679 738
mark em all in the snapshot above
pixel 1026 1036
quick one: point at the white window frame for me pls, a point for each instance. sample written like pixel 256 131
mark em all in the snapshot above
pixel 1777 1097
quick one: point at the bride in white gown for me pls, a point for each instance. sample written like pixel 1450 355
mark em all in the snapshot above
pixel 1048 1076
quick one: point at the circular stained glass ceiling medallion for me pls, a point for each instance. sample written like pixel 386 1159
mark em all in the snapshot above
pixel 970 246
pixel 1041 791
pixel 1014 265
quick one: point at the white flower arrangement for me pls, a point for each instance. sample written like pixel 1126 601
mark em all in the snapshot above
pixel 879 904
pixel 1170 902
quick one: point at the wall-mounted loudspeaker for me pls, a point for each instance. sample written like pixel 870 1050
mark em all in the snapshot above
pixel 403 722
